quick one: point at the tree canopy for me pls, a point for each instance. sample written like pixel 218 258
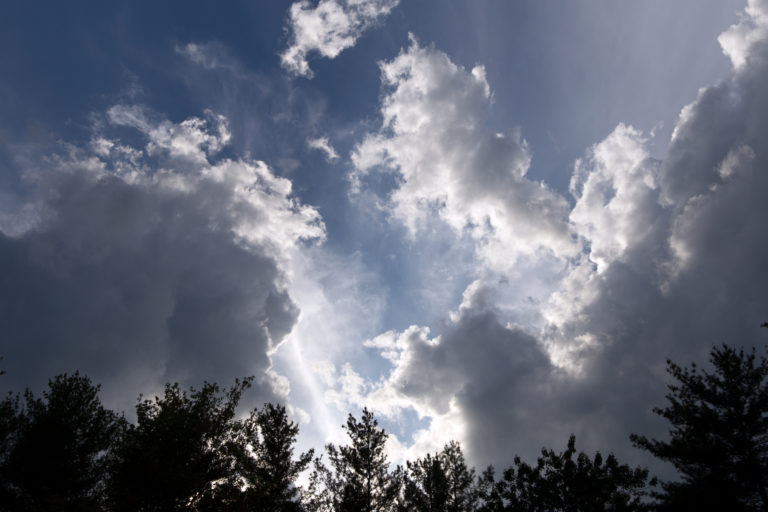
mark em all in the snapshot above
pixel 53 448
pixel 719 436
pixel 194 451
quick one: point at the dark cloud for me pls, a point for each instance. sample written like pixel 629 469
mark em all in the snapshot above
pixel 140 275
pixel 674 264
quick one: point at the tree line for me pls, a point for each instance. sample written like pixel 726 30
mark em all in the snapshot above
pixel 190 450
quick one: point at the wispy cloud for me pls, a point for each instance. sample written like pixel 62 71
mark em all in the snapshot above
pixel 322 144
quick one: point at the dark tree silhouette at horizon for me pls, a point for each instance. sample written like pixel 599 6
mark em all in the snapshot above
pixel 358 479
pixel 53 448
pixel 566 482
pixel 265 461
pixel 181 453
pixel 719 436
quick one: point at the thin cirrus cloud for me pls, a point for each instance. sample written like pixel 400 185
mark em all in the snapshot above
pixel 329 28
pixel 154 262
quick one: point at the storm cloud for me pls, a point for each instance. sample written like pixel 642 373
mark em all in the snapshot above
pixel 672 263
pixel 151 264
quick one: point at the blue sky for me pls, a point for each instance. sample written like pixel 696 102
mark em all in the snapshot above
pixel 487 221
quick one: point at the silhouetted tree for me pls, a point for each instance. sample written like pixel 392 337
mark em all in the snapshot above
pixel 442 482
pixel 182 453
pixel 358 479
pixel 266 466
pixel 462 494
pixel 426 485
pixel 567 482
pixel 719 436
pixel 53 447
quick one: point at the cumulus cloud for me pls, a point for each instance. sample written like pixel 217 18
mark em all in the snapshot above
pixel 480 380
pixel 738 41
pixel 435 137
pixel 616 192
pixel 152 263
pixel 679 258
pixel 329 28
pixel 672 262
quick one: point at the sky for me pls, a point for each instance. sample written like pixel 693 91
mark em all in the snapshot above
pixel 490 222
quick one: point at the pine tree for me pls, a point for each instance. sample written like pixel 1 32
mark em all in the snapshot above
pixel 462 493
pixel 442 482
pixel 566 482
pixel 181 454
pixel 426 485
pixel 719 436
pixel 359 479
pixel 267 467
pixel 53 447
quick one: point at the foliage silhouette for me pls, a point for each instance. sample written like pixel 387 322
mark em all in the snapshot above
pixel 566 482
pixel 719 436
pixel 182 453
pixel 359 479
pixel 266 465
pixel 442 482
pixel 53 448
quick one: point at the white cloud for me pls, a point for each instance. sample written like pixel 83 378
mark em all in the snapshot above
pixel 322 144
pixel 195 139
pixel 673 260
pixel 206 55
pixel 435 137
pixel 329 28
pixel 616 193
pixel 737 42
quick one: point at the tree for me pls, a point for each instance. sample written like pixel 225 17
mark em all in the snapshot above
pixel 426 485
pixel 53 455
pixel 442 482
pixel 462 495
pixel 566 482
pixel 359 479
pixel 719 436
pixel 266 465
pixel 182 453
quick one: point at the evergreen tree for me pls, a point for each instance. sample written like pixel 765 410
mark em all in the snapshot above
pixel 442 482
pixel 266 466
pixel 426 485
pixel 182 453
pixel 359 479
pixel 462 494
pixel 719 436
pixel 566 482
pixel 53 447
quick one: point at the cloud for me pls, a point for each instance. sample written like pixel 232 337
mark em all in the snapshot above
pixel 616 192
pixel 672 262
pixel 678 245
pixel 191 139
pixel 480 381
pixel 435 138
pixel 738 41
pixel 208 55
pixel 152 263
pixel 329 28
pixel 323 145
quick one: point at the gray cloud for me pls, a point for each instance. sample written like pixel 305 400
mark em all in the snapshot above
pixel 673 263
pixel 151 264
